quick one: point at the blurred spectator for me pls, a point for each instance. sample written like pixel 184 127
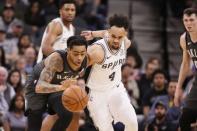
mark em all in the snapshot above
pixel 17 29
pixel 2 58
pixel 50 10
pixel 158 88
pixel 15 80
pixel 8 17
pixel 155 62
pixel 30 57
pixel 24 43
pixel 168 100
pixel 94 12
pixel 20 65
pixel 15 119
pixel 160 122
pixel 134 56
pixel 9 47
pixel 145 80
pixel 35 19
pixel 132 60
pixel 6 91
pixel 34 16
pixel 130 84
pixel 19 6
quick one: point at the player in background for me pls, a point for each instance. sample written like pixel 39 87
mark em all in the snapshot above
pixel 188 41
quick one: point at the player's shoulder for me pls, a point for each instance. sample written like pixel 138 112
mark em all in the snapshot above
pixel 55 56
pixel 55 24
pixel 182 37
pixel 183 40
pixel 96 48
pixel 54 61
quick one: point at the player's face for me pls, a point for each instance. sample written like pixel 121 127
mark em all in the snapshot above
pixel 67 12
pixel 190 22
pixel 116 35
pixel 77 55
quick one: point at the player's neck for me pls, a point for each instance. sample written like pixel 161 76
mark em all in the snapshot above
pixel 193 36
pixel 67 24
pixel 113 50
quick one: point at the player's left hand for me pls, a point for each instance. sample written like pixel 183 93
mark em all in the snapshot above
pixel 87 34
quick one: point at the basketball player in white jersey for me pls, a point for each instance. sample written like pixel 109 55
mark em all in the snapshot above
pixel 58 30
pixel 108 99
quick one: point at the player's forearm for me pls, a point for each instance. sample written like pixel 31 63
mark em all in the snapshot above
pixel 44 87
pixel 99 33
pixel 184 69
pixel 47 50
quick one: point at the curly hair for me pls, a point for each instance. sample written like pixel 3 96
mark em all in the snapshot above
pixel 119 21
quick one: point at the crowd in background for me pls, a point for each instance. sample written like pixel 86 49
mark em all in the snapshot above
pixel 22 23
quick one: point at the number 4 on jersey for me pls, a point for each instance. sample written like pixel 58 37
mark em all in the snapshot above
pixel 111 77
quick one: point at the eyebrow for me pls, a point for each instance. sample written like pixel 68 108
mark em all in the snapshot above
pixel 116 36
pixel 79 51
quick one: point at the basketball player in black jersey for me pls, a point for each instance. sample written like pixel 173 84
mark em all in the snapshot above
pixel 188 43
pixel 50 78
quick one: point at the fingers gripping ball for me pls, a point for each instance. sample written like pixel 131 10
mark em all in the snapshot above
pixel 74 98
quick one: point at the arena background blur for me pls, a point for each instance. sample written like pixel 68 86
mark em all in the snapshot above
pixel 149 75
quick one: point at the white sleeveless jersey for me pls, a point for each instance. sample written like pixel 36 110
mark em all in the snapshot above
pixel 61 41
pixel 107 74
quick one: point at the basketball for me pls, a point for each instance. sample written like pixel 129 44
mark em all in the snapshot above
pixel 74 98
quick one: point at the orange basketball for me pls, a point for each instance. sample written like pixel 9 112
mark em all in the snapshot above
pixel 74 98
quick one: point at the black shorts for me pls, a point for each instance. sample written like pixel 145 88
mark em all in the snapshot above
pixel 55 104
pixel 34 101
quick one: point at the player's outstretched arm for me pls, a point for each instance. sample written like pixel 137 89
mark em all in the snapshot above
pixel 95 54
pixel 184 69
pixel 53 64
pixel 89 35
pixel 53 30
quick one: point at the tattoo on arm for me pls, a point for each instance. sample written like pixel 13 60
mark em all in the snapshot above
pixel 53 65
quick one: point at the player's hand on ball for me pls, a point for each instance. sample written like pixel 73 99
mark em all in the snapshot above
pixel 66 83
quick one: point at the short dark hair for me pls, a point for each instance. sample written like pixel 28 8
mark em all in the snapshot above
pixel 159 71
pixel 189 11
pixel 125 65
pixel 62 2
pixel 76 41
pixel 119 21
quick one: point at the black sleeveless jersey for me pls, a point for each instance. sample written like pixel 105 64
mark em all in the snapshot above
pixel 191 100
pixel 191 48
pixel 67 72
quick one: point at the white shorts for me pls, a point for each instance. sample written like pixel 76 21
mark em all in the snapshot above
pixel 112 105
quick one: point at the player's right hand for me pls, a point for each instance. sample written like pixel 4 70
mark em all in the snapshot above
pixel 87 34
pixel 66 83
pixel 178 96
